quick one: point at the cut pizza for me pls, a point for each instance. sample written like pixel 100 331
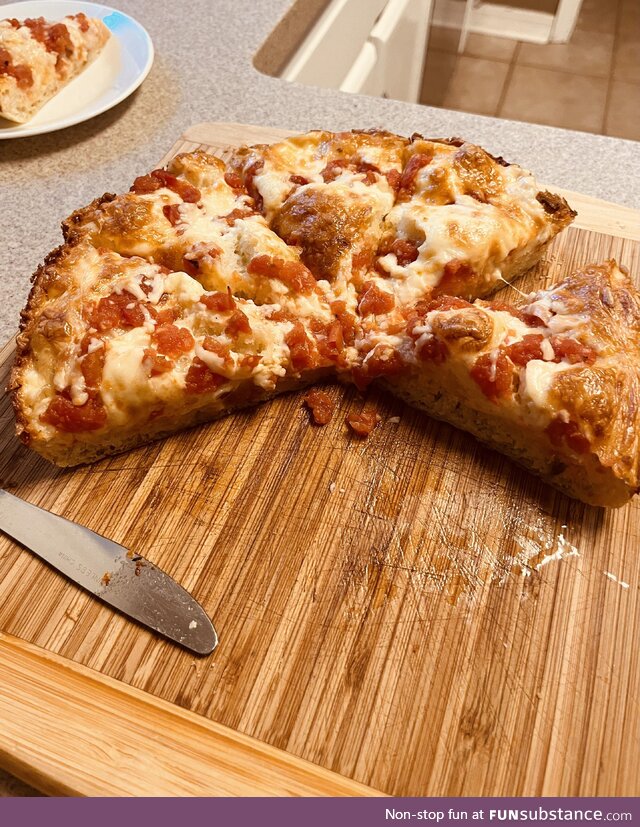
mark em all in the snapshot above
pixel 212 286
pixel 553 382
pixel 38 58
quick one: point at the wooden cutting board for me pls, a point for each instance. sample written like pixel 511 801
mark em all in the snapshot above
pixel 412 612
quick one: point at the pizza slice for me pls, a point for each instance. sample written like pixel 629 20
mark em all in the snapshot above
pixel 464 223
pixel 38 58
pixel 327 193
pixel 198 218
pixel 117 351
pixel 553 382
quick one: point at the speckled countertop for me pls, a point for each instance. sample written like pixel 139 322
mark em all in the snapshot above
pixel 204 71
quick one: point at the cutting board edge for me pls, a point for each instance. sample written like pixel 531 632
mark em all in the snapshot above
pixel 214 759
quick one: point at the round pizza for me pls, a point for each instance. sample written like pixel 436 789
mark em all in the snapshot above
pixel 210 286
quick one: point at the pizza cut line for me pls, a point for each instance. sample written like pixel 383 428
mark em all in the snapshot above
pixel 38 58
pixel 211 286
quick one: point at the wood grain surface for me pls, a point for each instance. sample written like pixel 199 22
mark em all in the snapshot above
pixel 121 741
pixel 413 612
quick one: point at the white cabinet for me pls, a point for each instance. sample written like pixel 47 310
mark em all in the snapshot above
pixel 371 47
pixel 327 54
pixel 400 37
pixel 365 76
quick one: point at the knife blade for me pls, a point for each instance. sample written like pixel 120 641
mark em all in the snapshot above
pixel 116 575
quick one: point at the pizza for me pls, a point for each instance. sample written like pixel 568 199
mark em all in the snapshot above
pixel 210 286
pixel 38 58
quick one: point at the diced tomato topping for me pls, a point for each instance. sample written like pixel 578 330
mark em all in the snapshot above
pixel 570 349
pixel 362 261
pixel 155 363
pixel 409 173
pixel 347 321
pixel 281 315
pixel 446 303
pixel 528 318
pixel 201 251
pixel 237 324
pixel 15 24
pixel 393 176
pixel 161 178
pixel 300 348
pixel 368 170
pixel 92 366
pixel 373 300
pixel 249 361
pixel 292 273
pixel 83 21
pixel 219 302
pixel 493 373
pixel 362 424
pixel 320 405
pixel 528 348
pixel 200 379
pixel 249 175
pixel 330 340
pixel 172 341
pixel 54 37
pixel 432 349
pixel 385 361
pixel 559 431
pixel 333 170
pixel 237 214
pixel 455 276
pixel 117 310
pixel 404 249
pixel 72 419
pixel 219 348
pixel 233 180
pixel 21 72
pixel 163 315
pixel 172 213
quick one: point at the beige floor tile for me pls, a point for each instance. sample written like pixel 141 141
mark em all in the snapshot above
pixel 623 111
pixel 555 98
pixel 598 16
pixel 493 48
pixel 443 39
pixel 438 71
pixel 587 53
pixel 476 85
pixel 626 63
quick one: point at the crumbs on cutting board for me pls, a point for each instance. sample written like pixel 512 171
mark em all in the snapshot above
pixel 616 579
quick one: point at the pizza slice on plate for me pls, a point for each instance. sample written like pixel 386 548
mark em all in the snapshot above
pixel 38 58
pixel 553 382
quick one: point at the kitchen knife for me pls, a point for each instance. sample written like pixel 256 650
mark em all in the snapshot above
pixel 123 579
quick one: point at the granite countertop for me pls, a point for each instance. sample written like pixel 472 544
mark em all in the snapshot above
pixel 204 71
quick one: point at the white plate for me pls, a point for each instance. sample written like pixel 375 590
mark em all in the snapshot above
pixel 120 68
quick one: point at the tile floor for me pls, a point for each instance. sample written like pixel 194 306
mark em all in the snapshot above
pixel 591 83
